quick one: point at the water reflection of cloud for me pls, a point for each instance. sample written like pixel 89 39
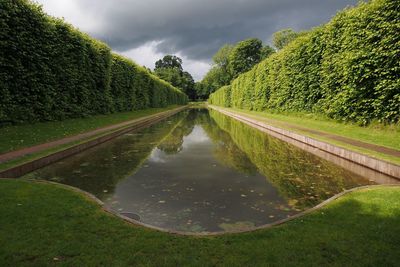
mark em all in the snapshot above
pixel 198 135
pixel 157 156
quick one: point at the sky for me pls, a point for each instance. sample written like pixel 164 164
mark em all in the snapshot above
pixel 146 30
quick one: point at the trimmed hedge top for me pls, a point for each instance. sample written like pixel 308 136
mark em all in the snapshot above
pixel 347 69
pixel 51 71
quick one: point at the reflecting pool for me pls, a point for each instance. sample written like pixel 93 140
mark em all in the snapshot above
pixel 201 171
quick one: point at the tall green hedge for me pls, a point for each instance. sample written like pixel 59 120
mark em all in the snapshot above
pixel 51 71
pixel 348 69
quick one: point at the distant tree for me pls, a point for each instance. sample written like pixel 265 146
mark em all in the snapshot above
pixel 221 58
pixel 187 85
pixel 171 75
pixel 169 68
pixel 221 61
pixel 244 56
pixel 169 61
pixel 214 79
pixel 266 51
pixel 201 92
pixel 230 61
pixel 282 38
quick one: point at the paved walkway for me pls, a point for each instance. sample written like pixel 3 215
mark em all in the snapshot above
pixel 41 147
pixel 356 143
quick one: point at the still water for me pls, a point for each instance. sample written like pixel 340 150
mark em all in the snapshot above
pixel 201 171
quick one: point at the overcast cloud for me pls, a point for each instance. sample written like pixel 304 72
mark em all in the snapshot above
pixel 145 30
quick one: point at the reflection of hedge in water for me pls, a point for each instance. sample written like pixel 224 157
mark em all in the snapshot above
pixel 301 177
pixel 98 170
pixel 226 151
pixel 51 71
pixel 347 69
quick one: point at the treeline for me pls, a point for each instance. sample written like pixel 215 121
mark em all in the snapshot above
pixel 51 71
pixel 347 69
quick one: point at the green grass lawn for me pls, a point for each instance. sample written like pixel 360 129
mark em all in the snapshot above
pixel 378 134
pixel 26 135
pixel 46 225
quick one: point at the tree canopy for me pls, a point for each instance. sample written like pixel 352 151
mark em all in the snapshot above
pixel 170 62
pixel 282 38
pixel 244 56
pixel 170 69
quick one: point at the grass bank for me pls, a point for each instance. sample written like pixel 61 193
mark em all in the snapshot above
pixel 21 136
pixel 378 134
pixel 26 135
pixel 44 225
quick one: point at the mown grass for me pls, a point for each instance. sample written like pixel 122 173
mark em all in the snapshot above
pixel 378 134
pixel 26 135
pixel 46 225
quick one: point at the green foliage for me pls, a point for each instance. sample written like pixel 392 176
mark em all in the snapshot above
pixel 266 51
pixel 171 75
pixel 188 85
pixel 347 69
pixel 283 37
pixel 51 71
pixel 215 78
pixel 202 91
pixel 169 62
pixel 244 56
pixel 230 58
pixel 170 70
pixel 221 58
pixel 222 97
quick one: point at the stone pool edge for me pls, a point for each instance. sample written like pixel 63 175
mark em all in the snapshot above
pixel 377 165
pixel 110 211
pixel 138 124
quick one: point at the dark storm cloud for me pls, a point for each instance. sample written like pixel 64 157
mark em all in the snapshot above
pixel 197 29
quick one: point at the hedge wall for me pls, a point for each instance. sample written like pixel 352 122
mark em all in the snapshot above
pixel 51 71
pixel 348 69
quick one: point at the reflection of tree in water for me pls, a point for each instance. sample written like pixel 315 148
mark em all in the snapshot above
pixel 301 177
pixel 172 144
pixel 99 169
